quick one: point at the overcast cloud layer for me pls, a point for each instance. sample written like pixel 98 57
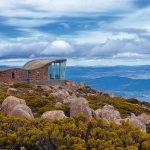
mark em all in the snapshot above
pixel 86 30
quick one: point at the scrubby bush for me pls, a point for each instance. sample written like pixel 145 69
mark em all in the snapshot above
pixel 76 133
pixel 72 133
pixel 3 95
pixel 22 85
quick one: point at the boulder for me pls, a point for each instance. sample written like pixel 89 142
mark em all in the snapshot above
pixel 12 91
pixel 80 105
pixel 22 111
pixel 46 88
pixel 60 94
pixel 58 104
pixel 54 114
pixel 30 91
pixel 94 115
pixel 69 99
pixel 110 114
pixel 82 85
pixel 105 95
pixel 134 121
pixel 9 103
pixel 144 118
pixel 98 113
pixel 71 84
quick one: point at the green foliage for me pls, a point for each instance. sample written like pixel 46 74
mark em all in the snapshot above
pixel 65 108
pixel 3 95
pixel 135 101
pixel 122 105
pixel 39 104
pixel 148 128
pixel 38 100
pixel 74 133
pixel 146 145
pixel 22 85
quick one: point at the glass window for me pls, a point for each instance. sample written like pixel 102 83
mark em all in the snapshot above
pixel 57 70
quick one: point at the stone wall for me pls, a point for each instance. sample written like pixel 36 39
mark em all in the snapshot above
pixel 39 74
pixel 12 75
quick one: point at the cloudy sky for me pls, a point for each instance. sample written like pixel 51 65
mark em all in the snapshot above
pixel 87 32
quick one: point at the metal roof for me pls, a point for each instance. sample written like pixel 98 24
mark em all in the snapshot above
pixel 38 63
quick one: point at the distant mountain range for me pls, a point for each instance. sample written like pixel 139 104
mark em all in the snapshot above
pixel 121 83
pixel 127 81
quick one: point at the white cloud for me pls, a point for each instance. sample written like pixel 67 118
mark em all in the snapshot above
pixel 129 55
pixel 139 19
pixel 22 47
pixel 34 47
pixel 107 40
pixel 25 23
pixel 58 47
pixel 98 36
pixel 15 8
pixel 48 47
pixel 112 52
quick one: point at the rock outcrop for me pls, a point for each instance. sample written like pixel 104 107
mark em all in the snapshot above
pixel 11 91
pixel 136 122
pixel 46 88
pixel 60 94
pixel 82 85
pixel 58 104
pixel 54 114
pixel 144 118
pixel 94 115
pixel 110 114
pixel 98 113
pixel 22 111
pixel 9 103
pixel 80 105
pixel 71 84
pixel 69 99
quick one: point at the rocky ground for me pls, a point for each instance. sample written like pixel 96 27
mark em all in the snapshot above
pixel 57 102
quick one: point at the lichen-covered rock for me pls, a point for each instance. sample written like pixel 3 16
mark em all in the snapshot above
pixel 71 84
pixel 134 121
pixel 9 103
pixel 54 114
pixel 98 113
pixel 58 104
pixel 69 99
pixel 144 118
pixel 30 91
pixel 82 85
pixel 60 94
pixel 46 88
pixel 11 91
pixel 94 115
pixel 22 111
pixel 110 114
pixel 105 95
pixel 80 105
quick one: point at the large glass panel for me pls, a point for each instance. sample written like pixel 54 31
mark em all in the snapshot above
pixel 62 70
pixel 57 70
pixel 51 71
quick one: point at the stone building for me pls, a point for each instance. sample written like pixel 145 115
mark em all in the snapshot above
pixel 35 70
